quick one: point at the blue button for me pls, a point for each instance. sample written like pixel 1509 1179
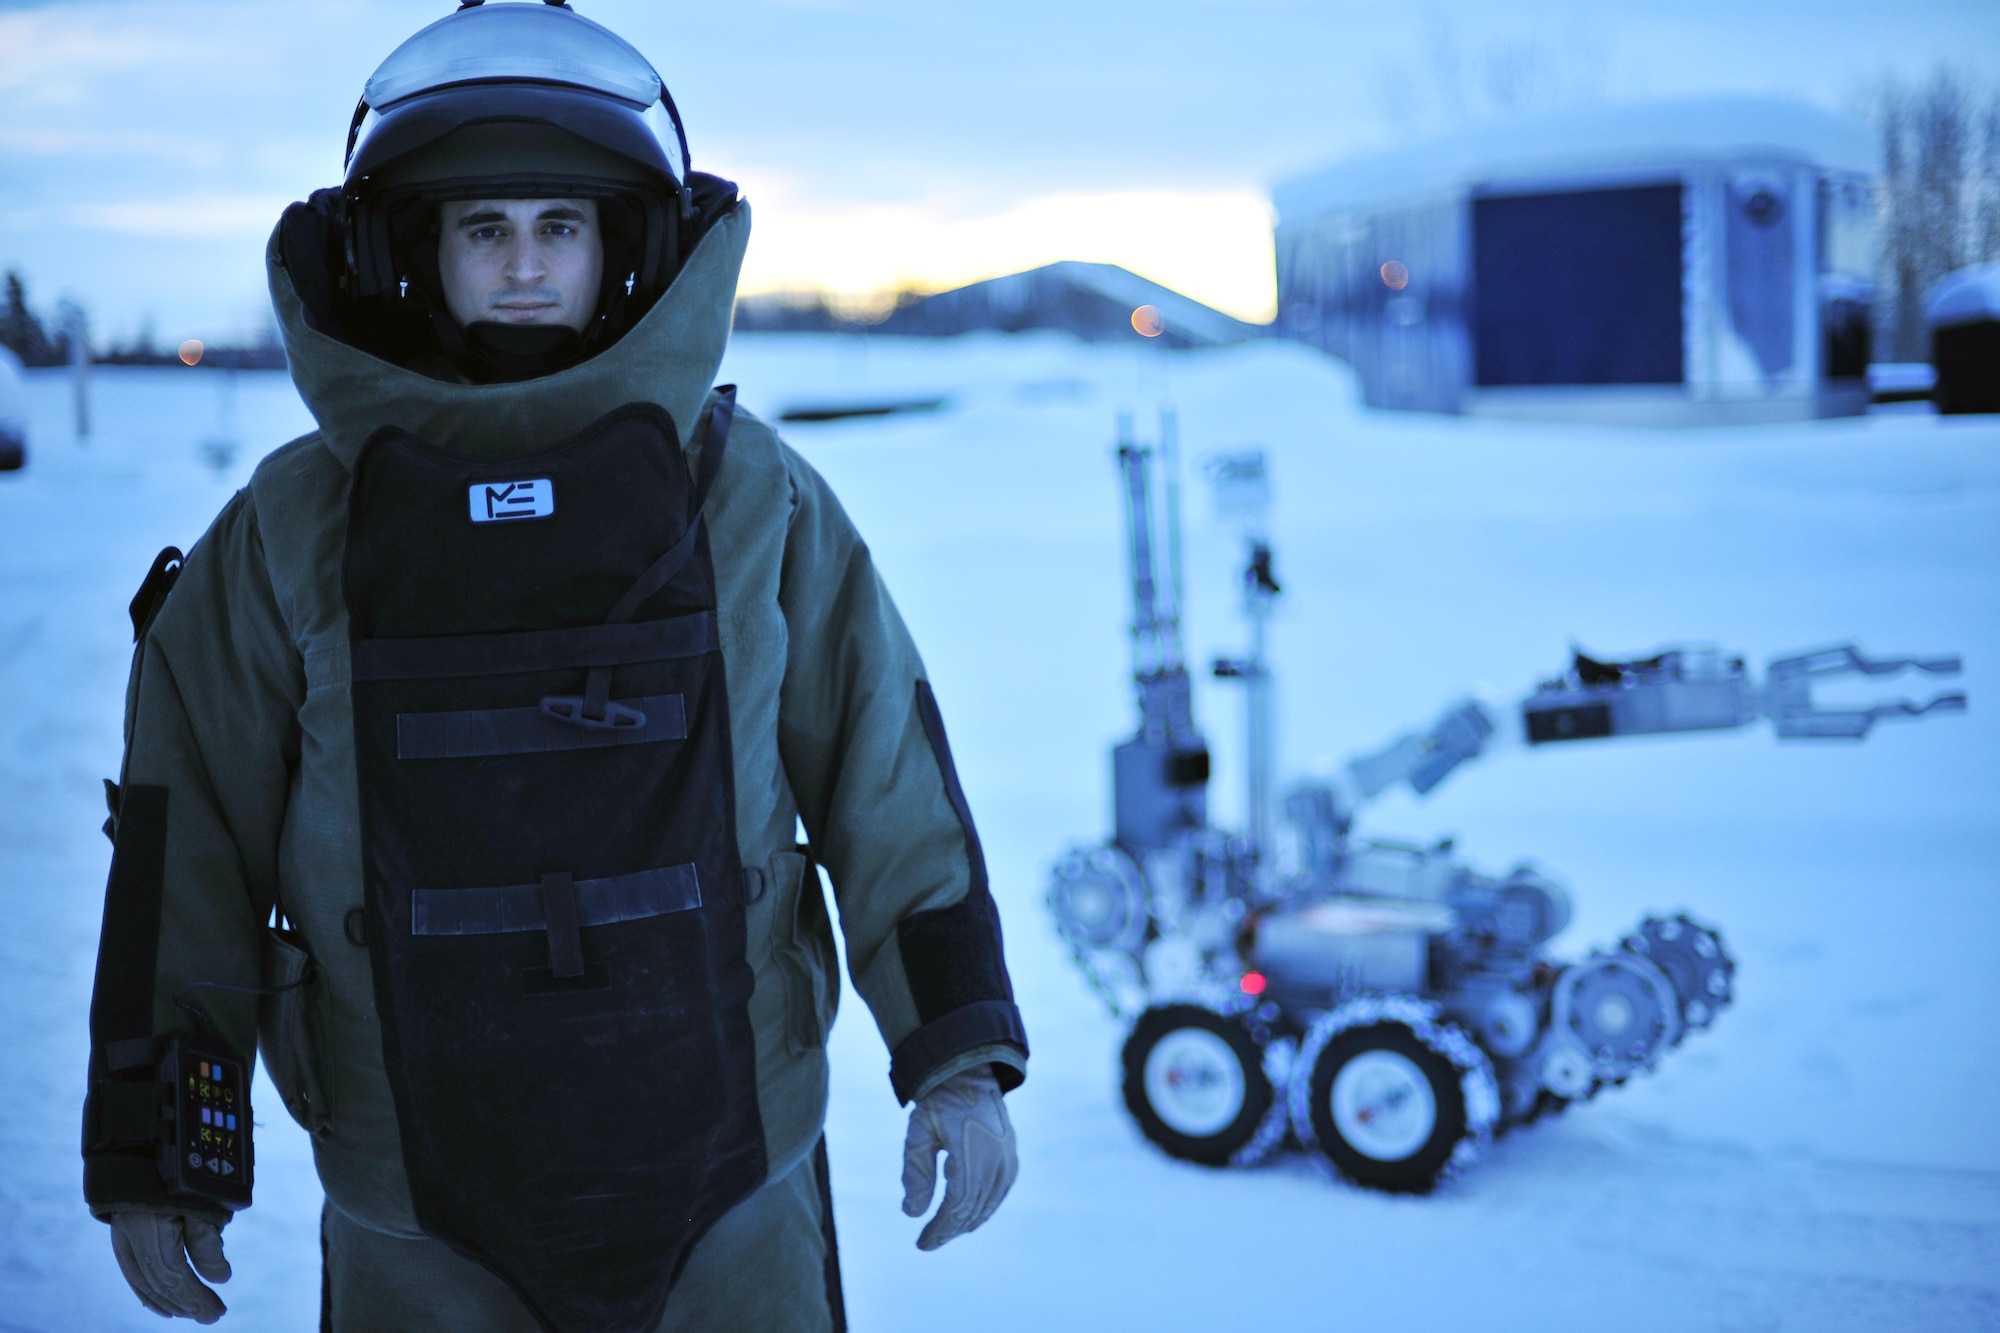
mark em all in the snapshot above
pixel 232 1122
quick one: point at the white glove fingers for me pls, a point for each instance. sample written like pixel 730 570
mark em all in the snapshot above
pixel 990 1158
pixel 946 1222
pixel 920 1150
pixel 147 1235
pixel 990 1199
pixel 204 1247
pixel 938 1231
pixel 919 1182
pixel 162 1257
pixel 121 1249
pixel 967 1114
pixel 964 1195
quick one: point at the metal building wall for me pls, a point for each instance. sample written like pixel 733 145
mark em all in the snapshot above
pixel 1408 344
pixel 1765 273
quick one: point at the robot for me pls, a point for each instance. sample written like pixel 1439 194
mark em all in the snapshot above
pixel 1378 1002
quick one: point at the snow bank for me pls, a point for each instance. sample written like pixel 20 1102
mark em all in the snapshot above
pixel 1822 1160
pixel 1965 297
pixel 1660 137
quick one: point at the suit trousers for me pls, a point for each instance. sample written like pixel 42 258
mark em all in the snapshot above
pixel 772 1265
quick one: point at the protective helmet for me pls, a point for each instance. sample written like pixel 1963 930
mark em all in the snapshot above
pixel 513 101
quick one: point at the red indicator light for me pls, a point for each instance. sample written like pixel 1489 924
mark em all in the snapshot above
pixel 1252 983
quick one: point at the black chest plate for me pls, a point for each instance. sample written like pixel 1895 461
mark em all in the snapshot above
pixel 554 895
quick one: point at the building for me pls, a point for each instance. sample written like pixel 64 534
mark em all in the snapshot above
pixel 1704 261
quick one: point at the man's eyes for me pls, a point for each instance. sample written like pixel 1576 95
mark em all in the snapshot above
pixel 494 231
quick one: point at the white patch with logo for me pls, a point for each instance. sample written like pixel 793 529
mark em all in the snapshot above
pixel 498 501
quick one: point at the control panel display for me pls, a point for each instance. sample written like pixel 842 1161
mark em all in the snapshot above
pixel 210 1150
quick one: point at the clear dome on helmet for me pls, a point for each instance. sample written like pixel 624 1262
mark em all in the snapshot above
pixel 544 47
pixel 538 42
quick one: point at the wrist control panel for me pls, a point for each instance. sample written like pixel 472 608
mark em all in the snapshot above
pixel 205 1154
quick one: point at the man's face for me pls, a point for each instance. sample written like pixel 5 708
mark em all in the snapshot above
pixel 521 261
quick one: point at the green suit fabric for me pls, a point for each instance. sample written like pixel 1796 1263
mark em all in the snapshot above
pixel 239 706
pixel 391 1284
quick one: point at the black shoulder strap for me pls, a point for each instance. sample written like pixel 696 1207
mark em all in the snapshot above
pixel 716 442
pixel 145 605
pixel 597 686
pixel 661 572
pixel 158 583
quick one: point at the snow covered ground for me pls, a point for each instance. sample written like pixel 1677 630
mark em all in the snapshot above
pixel 1825 1158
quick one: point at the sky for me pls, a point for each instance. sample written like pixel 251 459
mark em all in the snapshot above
pixel 148 146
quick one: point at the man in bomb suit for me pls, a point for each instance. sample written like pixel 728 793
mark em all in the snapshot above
pixel 466 749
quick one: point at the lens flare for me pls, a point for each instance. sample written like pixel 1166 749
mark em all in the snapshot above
pixel 1149 322
pixel 1395 276
pixel 191 352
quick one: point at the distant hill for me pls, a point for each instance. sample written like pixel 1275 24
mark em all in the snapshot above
pixel 1094 302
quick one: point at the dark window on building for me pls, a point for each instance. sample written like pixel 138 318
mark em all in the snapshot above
pixel 1847 339
pixel 1578 288
pixel 1967 357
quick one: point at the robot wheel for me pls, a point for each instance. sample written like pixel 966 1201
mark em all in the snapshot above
pixel 1393 1095
pixel 1195 1081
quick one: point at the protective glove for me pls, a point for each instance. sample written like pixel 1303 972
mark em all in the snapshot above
pixel 964 1118
pixel 153 1253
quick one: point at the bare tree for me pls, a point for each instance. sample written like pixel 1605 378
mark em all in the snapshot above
pixel 1497 74
pixel 1940 197
pixel 22 330
pixel 1986 217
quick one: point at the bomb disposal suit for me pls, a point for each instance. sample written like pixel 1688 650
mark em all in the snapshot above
pixel 465 755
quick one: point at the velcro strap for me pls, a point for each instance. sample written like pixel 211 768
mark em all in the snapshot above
pixel 987 1022
pixel 132 1053
pixel 123 1113
pixel 479 732
pixel 518 652
pixel 559 908
pixel 596 694
pixel 520 907
pixel 121 1004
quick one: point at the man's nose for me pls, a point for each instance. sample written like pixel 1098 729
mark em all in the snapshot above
pixel 524 259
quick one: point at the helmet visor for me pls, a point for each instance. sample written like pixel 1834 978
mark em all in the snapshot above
pixel 536 53
pixel 643 137
pixel 514 43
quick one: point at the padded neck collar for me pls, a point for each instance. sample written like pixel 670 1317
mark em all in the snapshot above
pixel 668 358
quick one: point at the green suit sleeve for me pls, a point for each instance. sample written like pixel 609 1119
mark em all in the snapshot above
pixel 864 748
pixel 211 743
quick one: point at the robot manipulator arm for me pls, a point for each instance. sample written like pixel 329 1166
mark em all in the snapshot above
pixel 1425 758
pixel 1695 688
pixel 1788 698
pixel 1679 689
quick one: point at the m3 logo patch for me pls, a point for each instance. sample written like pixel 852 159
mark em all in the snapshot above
pixel 498 501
